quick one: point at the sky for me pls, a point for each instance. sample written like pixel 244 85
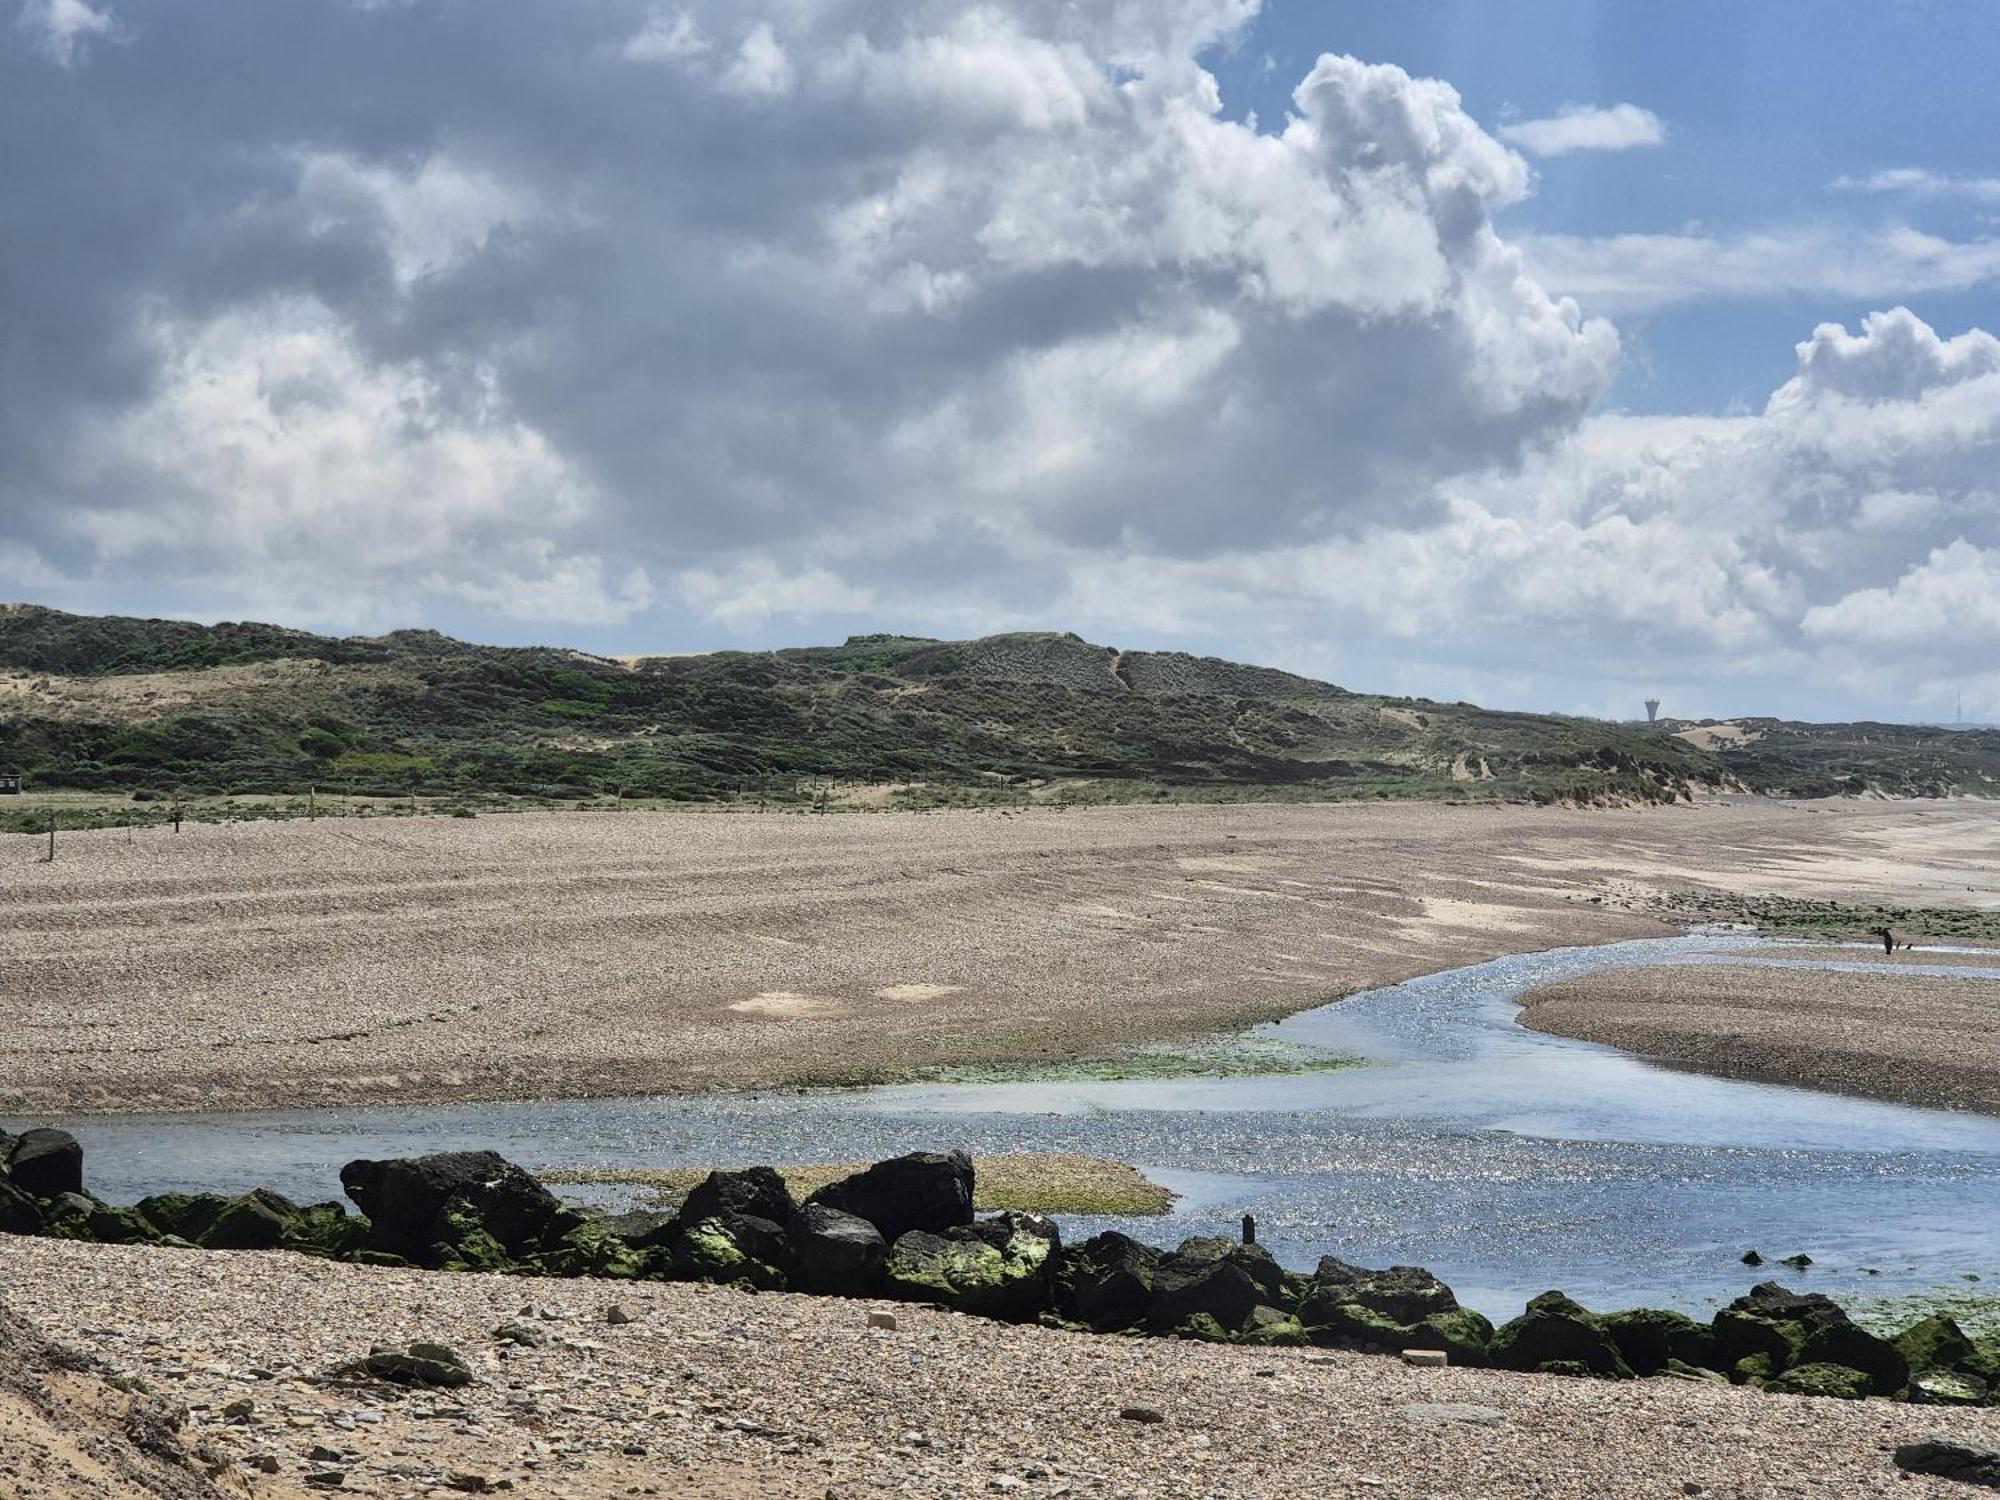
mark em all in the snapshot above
pixel 1550 355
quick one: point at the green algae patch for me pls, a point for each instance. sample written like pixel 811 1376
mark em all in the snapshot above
pixel 1973 1309
pixel 1220 1057
pixel 1034 1182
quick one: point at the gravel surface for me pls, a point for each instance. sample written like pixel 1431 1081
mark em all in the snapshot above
pixel 714 1393
pixel 1916 1039
pixel 534 956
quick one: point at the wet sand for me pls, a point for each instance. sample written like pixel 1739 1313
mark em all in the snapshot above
pixel 1914 1039
pixel 550 955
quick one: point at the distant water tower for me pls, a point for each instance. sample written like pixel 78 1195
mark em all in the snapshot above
pixel 1652 710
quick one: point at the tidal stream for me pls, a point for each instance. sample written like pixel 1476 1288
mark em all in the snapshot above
pixel 1506 1161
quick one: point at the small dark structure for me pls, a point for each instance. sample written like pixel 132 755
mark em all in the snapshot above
pixel 10 786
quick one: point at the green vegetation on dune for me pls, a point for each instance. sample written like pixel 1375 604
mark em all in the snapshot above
pixel 118 708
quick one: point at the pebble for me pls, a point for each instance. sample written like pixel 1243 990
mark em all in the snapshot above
pixel 1425 1359
pixel 883 1320
pixel 1142 1414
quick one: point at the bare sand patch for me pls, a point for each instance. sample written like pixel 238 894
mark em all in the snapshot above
pixel 1916 1039
pixel 917 992
pixel 563 954
pixel 788 1005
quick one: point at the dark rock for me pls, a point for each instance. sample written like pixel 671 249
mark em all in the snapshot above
pixel 833 1253
pixel 1936 1343
pixel 184 1216
pixel 596 1248
pixel 1852 1347
pixel 1558 1336
pixel 1948 1460
pixel 417 1364
pixel 1106 1283
pixel 757 1191
pixel 460 1209
pixel 1649 1339
pixel 1815 1378
pixel 925 1190
pixel 1146 1414
pixel 259 1220
pixel 1002 1267
pixel 733 1249
pixel 1218 1279
pixel 20 1214
pixel 46 1163
pixel 641 1228
pixel 1272 1328
pixel 1404 1307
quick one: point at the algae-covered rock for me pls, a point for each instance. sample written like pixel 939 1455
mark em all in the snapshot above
pixel 1649 1338
pixel 1936 1343
pixel 1002 1267
pixel 732 1249
pixel 1216 1277
pixel 1558 1336
pixel 924 1190
pixel 1947 1388
pixel 457 1209
pixel 1272 1328
pixel 1106 1283
pixel 833 1253
pixel 596 1248
pixel 1852 1347
pixel 1403 1307
pixel 258 1220
pixel 1740 1336
pixel 183 1215
pixel 1816 1379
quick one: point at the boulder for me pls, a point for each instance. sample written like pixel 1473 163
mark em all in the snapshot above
pixel 1772 1330
pixel 458 1209
pixel 597 1248
pixel 1002 1267
pixel 259 1220
pixel 413 1364
pixel 1558 1336
pixel 732 1249
pixel 1213 1278
pixel 1936 1343
pixel 1947 1388
pixel 642 1228
pixel 1106 1283
pixel 183 1215
pixel 1853 1347
pixel 45 1163
pixel 1404 1307
pixel 757 1191
pixel 925 1190
pixel 1819 1379
pixel 1650 1339
pixel 1269 1327
pixel 20 1214
pixel 1948 1460
pixel 833 1253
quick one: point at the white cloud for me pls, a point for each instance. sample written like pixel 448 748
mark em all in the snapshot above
pixel 1581 127
pixel 761 68
pixel 666 38
pixel 1642 272
pixel 62 29
pixel 1951 600
pixel 1920 182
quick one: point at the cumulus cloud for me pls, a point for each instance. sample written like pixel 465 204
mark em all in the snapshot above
pixel 62 30
pixel 697 283
pixel 1584 127
pixel 767 319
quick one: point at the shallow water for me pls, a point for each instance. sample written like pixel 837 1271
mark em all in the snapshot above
pixel 1505 1160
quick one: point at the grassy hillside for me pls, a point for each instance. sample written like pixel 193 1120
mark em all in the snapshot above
pixel 119 709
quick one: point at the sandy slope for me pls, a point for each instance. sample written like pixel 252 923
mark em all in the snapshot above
pixel 541 955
